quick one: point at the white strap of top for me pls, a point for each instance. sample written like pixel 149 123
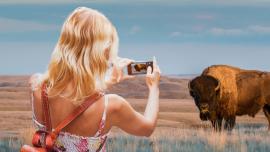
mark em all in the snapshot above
pixel 105 107
pixel 33 88
pixel 103 119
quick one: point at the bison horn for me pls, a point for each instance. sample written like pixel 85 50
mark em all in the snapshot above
pixel 218 86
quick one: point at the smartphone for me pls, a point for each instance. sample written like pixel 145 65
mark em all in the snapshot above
pixel 139 67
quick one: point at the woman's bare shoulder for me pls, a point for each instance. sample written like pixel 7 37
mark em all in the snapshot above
pixel 116 102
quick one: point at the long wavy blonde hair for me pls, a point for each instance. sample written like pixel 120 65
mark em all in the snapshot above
pixel 88 41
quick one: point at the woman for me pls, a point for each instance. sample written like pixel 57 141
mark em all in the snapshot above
pixel 88 44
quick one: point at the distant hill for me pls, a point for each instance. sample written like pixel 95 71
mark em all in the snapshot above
pixel 171 87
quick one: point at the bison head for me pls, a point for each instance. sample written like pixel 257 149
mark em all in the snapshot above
pixel 205 90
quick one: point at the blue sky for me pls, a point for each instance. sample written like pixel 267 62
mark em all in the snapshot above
pixel 186 36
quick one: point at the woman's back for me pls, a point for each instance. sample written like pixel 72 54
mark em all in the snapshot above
pixel 89 125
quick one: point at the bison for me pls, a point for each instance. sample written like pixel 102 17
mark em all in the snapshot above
pixel 223 92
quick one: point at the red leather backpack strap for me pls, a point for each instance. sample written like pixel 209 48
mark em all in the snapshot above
pixel 87 103
pixel 45 107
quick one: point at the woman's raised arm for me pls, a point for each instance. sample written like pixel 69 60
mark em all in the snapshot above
pixel 131 121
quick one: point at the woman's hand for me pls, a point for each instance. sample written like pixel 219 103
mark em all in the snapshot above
pixel 152 79
pixel 117 74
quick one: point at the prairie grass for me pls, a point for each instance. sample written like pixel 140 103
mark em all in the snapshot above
pixel 244 138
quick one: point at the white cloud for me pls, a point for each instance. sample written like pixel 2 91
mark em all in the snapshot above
pixel 175 34
pixel 134 29
pixel 253 29
pixel 14 25
pixel 223 31
pixel 260 29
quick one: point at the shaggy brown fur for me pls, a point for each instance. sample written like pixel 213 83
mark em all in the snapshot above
pixel 238 92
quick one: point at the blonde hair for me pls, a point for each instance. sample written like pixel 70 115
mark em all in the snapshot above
pixel 87 42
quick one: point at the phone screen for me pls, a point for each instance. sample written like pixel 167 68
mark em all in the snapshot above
pixel 139 67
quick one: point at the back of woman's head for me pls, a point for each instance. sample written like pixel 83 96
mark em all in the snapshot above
pixel 87 42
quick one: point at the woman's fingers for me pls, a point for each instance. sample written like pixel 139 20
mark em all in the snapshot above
pixel 149 71
pixel 123 62
pixel 157 69
pixel 154 63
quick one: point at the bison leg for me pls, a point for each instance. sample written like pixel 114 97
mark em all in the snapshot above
pixel 217 124
pixel 266 110
pixel 229 123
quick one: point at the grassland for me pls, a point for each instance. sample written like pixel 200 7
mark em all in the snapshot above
pixel 179 127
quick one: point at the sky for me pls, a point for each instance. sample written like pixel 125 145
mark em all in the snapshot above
pixel 186 36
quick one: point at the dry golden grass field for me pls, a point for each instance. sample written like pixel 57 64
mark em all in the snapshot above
pixel 178 118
